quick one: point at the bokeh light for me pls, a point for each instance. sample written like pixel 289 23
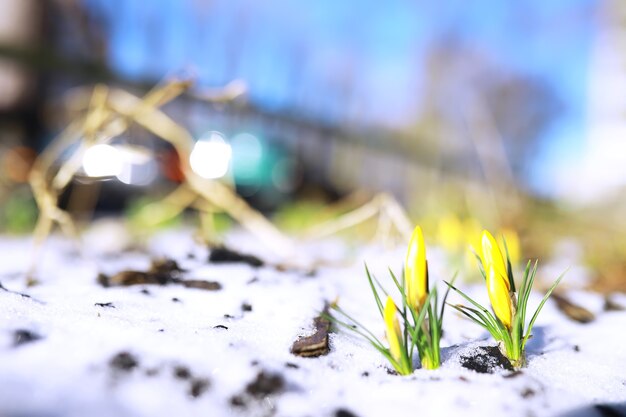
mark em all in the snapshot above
pixel 247 157
pixel 102 161
pixel 211 156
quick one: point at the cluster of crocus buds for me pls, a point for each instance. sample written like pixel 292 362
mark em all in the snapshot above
pixel 421 318
pixel 418 322
pixel 507 324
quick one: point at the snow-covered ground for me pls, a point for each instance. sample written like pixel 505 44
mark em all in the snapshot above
pixel 170 350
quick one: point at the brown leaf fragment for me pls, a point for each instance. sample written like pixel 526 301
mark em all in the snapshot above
pixel 126 278
pixel 572 310
pixel 161 272
pixel 165 266
pixel 202 284
pixel 316 344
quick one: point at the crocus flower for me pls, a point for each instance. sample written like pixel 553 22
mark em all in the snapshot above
pixel 498 290
pixel 492 257
pixel 420 326
pixel 416 271
pixel 392 330
pixel 508 323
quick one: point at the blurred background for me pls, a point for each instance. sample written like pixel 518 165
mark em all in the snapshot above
pixel 509 113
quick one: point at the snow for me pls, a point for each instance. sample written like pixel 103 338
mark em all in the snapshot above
pixel 571 367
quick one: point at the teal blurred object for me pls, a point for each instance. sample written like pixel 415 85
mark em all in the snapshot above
pixel 263 171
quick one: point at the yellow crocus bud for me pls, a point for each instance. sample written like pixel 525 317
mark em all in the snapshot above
pixel 498 290
pixel 492 257
pixel 416 271
pixel 392 330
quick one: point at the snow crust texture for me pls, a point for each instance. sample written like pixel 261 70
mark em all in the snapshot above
pixel 75 348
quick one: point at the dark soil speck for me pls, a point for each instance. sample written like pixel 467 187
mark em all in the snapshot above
pixel 22 337
pixel 198 387
pixel 612 305
pixel 266 384
pixel 238 401
pixel 613 410
pixel 105 305
pixel 182 372
pixel 485 360
pixel 124 361
pixel 527 393
pixel 342 412
pixel 104 280
pixel 225 255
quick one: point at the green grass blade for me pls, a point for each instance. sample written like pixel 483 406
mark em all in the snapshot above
pixel 443 302
pixel 462 309
pixel 380 286
pixel 435 331
pixel 527 284
pixel 339 310
pixel 480 264
pixel 509 269
pixel 543 301
pixel 491 323
pixel 468 298
pixel 402 293
pixel 399 286
pixel 524 288
pixel 422 314
pixel 353 328
pixel 379 304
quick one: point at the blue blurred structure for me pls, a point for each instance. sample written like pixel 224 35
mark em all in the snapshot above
pixel 361 92
pixel 305 55
pixel 361 62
